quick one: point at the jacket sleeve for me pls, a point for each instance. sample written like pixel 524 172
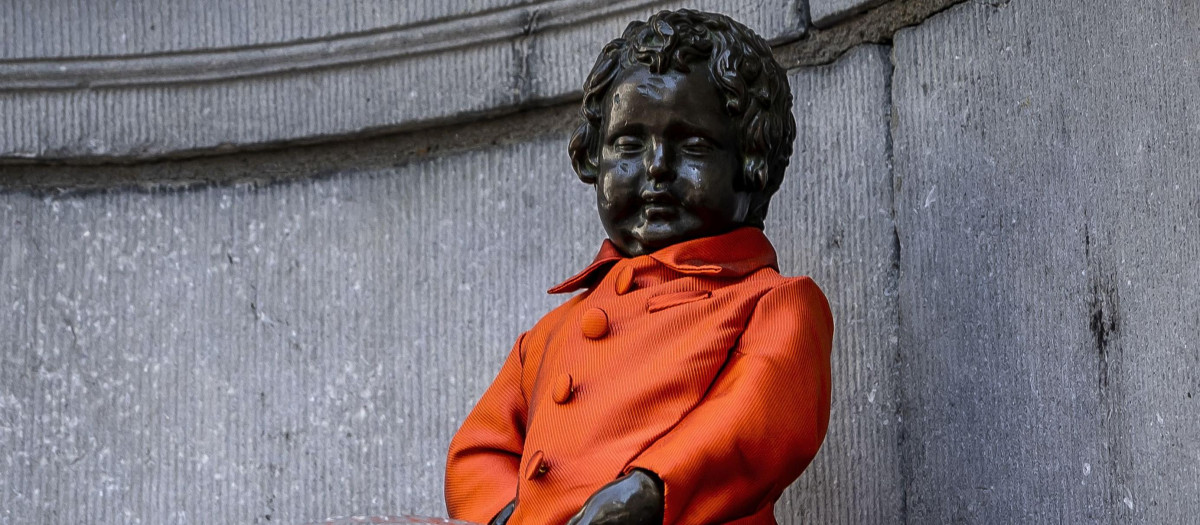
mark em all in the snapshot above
pixel 481 468
pixel 762 420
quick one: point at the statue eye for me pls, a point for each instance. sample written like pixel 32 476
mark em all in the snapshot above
pixel 627 144
pixel 697 146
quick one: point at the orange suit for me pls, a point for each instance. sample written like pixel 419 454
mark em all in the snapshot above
pixel 698 362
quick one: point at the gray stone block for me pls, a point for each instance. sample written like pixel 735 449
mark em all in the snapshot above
pixel 31 29
pixel 180 118
pixel 833 220
pixel 1045 160
pixel 282 354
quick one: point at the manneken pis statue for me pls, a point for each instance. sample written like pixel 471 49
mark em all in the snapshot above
pixel 689 382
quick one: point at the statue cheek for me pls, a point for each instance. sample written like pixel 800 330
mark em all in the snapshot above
pixel 627 169
pixel 619 181
pixel 610 192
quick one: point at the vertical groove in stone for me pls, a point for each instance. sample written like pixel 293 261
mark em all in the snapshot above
pixel 832 221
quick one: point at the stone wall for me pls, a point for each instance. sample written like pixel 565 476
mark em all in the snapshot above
pixel 250 277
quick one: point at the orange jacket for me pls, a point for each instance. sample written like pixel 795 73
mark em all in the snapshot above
pixel 698 362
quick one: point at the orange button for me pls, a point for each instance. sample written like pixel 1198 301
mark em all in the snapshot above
pixel 564 386
pixel 625 281
pixel 537 466
pixel 594 323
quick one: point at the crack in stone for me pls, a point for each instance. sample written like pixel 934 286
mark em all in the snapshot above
pixel 1103 316
pixel 894 275
pixel 875 26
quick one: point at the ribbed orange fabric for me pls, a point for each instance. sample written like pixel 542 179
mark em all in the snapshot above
pixel 712 371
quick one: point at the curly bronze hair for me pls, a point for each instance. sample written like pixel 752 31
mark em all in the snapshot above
pixel 753 84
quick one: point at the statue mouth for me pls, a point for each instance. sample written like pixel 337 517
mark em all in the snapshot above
pixel 659 204
pixel 653 211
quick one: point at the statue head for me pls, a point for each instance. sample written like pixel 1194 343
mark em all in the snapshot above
pixel 687 130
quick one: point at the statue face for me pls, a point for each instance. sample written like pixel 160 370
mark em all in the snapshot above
pixel 669 156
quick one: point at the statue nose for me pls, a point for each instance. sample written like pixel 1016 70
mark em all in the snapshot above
pixel 658 165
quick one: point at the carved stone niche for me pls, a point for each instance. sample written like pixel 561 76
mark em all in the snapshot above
pixel 175 78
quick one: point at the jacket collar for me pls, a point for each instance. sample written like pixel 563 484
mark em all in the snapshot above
pixel 732 254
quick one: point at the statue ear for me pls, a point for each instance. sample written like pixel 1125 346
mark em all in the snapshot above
pixel 754 173
pixel 756 178
pixel 586 172
pixel 580 150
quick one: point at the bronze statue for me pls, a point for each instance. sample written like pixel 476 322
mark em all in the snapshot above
pixel 689 382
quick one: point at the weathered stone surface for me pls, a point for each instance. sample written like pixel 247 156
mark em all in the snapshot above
pixel 152 121
pixel 827 12
pixel 295 352
pixel 833 220
pixel 73 28
pixel 1047 213
pixel 174 78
